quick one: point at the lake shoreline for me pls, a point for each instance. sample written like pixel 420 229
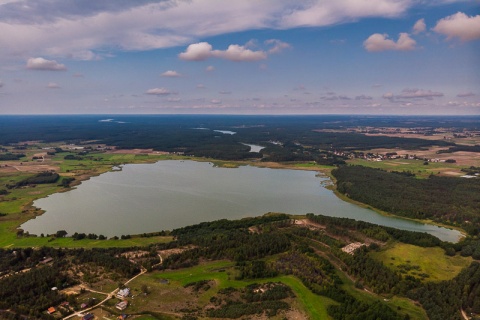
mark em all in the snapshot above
pixel 304 167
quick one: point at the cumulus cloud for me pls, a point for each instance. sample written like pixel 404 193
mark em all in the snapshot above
pixel 203 50
pixel 419 26
pixel 236 52
pixel 380 42
pixel 200 86
pixel 53 85
pixel 459 25
pixel 159 91
pixel 171 74
pixel 466 94
pixel 197 52
pixel 44 64
pixel 210 68
pixel 215 101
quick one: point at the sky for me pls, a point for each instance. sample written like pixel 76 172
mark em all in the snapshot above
pixel 387 57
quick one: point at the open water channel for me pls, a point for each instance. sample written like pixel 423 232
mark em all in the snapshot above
pixel 170 194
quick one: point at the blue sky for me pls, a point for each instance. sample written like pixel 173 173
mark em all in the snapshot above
pixel 240 57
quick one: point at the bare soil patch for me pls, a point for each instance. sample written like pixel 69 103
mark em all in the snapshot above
pixel 166 253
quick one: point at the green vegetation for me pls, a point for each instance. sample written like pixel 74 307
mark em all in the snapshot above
pixel 444 199
pixel 223 274
pixel 415 167
pixel 217 268
pixel 430 261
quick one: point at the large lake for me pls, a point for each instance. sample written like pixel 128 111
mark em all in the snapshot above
pixel 171 194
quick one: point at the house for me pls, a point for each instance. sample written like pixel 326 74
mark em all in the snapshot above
pixel 122 317
pixel 51 310
pixel 83 305
pixel 88 316
pixel 122 305
pixel 123 293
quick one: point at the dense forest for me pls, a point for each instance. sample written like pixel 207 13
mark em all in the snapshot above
pixel 287 138
pixel 444 199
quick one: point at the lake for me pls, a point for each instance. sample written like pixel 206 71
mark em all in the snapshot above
pixel 170 194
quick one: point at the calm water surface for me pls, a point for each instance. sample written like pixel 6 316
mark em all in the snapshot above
pixel 171 194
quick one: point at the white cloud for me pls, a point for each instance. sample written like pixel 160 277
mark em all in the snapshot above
pixel 200 86
pixel 174 99
pixel 459 25
pixel 82 30
pixel 203 50
pixel 210 68
pixel 236 52
pixel 215 101
pixel 197 52
pixel 277 46
pixel 380 42
pixel 171 74
pixel 225 92
pixel 323 13
pixel 53 85
pixel 44 64
pixel 159 91
pixel 419 26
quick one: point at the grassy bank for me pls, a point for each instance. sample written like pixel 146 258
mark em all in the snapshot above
pixel 417 260
pixel 223 274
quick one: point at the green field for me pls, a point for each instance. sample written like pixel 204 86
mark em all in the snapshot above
pixel 398 304
pixel 415 166
pixel 223 273
pixel 431 261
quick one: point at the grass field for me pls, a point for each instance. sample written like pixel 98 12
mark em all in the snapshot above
pixel 415 166
pixel 398 304
pixel 431 261
pixel 223 274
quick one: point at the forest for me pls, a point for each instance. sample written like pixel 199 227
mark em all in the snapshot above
pixel 447 200
pixel 299 136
